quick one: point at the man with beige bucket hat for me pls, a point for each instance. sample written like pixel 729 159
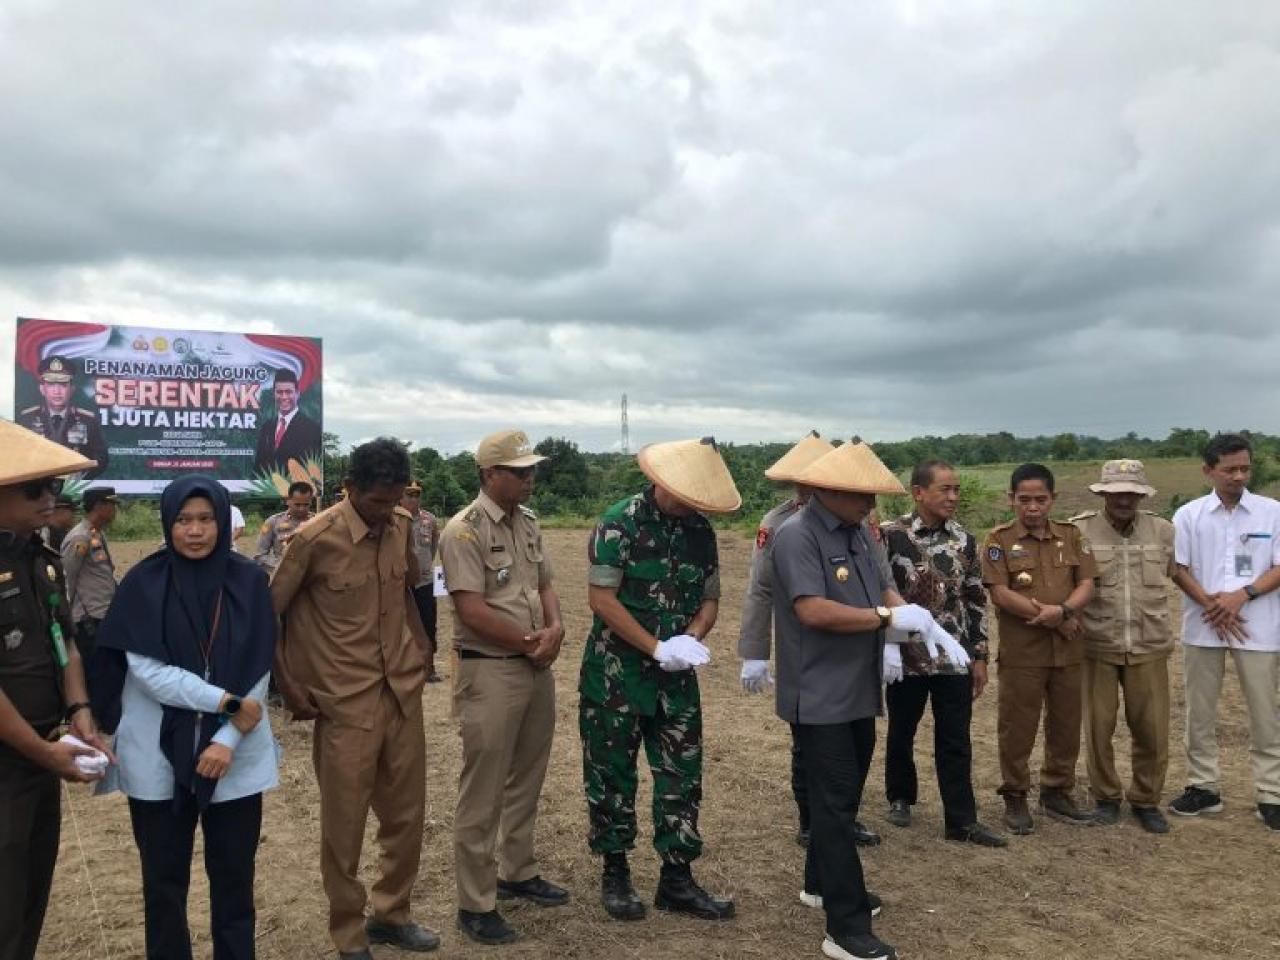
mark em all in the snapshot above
pixel 654 587
pixel 1128 638
pixel 839 622
pixel 755 639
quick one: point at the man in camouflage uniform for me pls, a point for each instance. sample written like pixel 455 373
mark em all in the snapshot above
pixel 654 587
pixel 57 420
pixel 278 529
pixel 755 639
pixel 89 569
pixel 935 564
pixel 426 540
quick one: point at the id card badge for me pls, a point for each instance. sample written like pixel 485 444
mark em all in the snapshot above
pixel 1244 565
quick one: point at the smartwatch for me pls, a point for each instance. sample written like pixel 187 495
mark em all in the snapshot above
pixel 886 617
pixel 232 707
pixel 1251 591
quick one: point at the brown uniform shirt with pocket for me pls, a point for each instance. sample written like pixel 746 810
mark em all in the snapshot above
pixel 344 592
pixel 498 555
pixel 1045 566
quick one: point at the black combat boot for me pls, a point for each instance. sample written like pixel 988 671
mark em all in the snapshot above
pixel 679 893
pixel 616 893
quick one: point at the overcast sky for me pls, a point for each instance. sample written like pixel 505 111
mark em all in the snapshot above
pixel 754 218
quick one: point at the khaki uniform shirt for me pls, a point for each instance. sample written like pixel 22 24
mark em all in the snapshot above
pixel 1128 618
pixel 344 590
pixel 485 550
pixel 1046 566
pixel 426 538
pixel 90 572
pixel 277 530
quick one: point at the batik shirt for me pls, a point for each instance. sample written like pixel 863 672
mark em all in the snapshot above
pixel 663 567
pixel 939 569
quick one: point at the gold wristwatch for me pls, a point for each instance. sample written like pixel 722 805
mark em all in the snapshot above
pixel 886 617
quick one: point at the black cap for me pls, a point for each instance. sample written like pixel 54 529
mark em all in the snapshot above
pixel 56 369
pixel 96 495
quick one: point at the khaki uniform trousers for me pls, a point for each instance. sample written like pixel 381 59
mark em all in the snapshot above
pixel 1024 693
pixel 385 768
pixel 506 712
pixel 1146 712
pixel 1259 673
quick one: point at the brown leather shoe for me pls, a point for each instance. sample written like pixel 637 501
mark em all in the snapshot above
pixel 1017 816
pixel 1061 806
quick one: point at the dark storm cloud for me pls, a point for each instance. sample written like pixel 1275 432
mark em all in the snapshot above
pixel 753 218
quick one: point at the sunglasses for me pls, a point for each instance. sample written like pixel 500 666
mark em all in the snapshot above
pixel 524 473
pixel 35 489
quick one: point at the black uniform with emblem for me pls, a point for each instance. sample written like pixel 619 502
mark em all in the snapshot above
pixel 74 427
pixel 31 601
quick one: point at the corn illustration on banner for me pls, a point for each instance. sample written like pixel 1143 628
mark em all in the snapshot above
pixel 150 404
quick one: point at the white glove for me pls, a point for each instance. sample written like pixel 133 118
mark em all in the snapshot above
pixel 681 652
pixel 891 672
pixel 91 765
pixel 950 646
pixel 755 676
pixel 910 618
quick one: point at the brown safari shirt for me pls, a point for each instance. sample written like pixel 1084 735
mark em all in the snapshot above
pixel 1045 566
pixel 344 589
pixel 1128 620
pixel 499 555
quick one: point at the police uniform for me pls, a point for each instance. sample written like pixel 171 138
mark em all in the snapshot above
pixel 91 580
pixel 277 530
pixel 504 704
pixel 1039 667
pixel 1128 638
pixel 426 539
pixel 75 427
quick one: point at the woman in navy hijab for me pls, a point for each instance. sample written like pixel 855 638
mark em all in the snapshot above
pixel 188 645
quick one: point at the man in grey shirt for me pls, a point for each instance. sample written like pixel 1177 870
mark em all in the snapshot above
pixel 756 636
pixel 833 611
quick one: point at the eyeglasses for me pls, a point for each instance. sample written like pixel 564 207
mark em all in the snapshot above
pixel 35 489
pixel 524 473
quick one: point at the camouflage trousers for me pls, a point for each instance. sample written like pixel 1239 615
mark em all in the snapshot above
pixel 673 744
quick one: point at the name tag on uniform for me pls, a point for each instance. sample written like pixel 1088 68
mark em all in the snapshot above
pixel 1244 565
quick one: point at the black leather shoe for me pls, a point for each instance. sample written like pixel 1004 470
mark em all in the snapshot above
pixel 1150 819
pixel 899 813
pixel 864 836
pixel 487 928
pixel 1106 812
pixel 536 890
pixel 406 936
pixel 616 892
pixel 679 893
pixel 978 834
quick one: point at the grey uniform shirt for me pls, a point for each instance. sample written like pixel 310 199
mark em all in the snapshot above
pixel 757 607
pixel 90 572
pixel 825 677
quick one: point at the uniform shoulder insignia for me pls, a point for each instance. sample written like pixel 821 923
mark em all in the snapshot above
pixel 29 410
pixel 87 413
pixel 1083 516
pixel 316 525
pixel 528 513
pixel 762 537
pixel 471 516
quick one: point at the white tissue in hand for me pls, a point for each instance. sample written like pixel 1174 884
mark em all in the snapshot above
pixel 91 765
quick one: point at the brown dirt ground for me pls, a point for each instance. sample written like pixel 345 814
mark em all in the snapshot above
pixel 1207 889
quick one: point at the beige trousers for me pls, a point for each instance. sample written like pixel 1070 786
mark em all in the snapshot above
pixel 1146 713
pixel 383 768
pixel 1259 675
pixel 506 713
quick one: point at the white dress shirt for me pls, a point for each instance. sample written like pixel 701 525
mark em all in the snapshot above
pixel 1225 550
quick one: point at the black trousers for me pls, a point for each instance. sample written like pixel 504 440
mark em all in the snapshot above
pixel 836 758
pixel 800 783
pixel 425 597
pixel 30 823
pixel 165 836
pixel 952 698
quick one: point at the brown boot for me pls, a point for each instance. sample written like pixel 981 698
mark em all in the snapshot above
pixel 1060 805
pixel 1017 816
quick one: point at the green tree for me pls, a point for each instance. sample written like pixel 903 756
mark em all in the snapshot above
pixel 1064 446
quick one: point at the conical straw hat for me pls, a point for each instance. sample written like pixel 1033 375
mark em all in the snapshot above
pixel 694 472
pixel 29 456
pixel 791 463
pixel 854 468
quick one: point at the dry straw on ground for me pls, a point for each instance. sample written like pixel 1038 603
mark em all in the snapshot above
pixel 1207 889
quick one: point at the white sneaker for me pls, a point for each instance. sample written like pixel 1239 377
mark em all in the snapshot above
pixel 814 900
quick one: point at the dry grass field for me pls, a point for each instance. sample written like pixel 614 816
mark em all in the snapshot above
pixel 1208 889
